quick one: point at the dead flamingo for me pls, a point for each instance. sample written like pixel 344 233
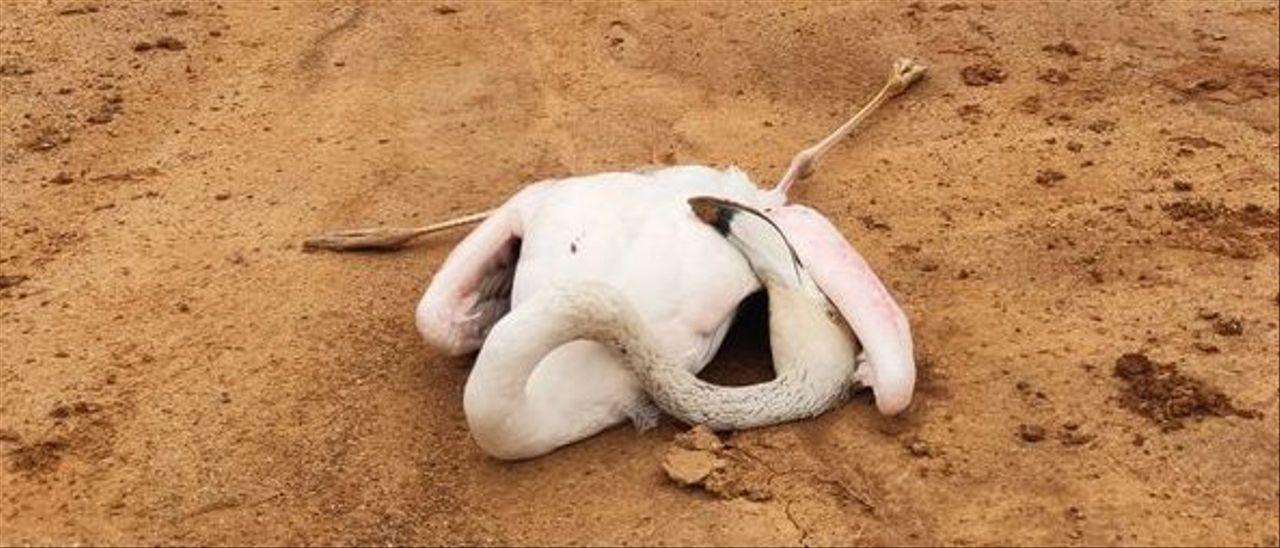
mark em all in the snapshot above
pixel 573 286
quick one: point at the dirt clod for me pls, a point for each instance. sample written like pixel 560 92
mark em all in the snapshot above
pixel 693 456
pixel 1062 48
pixel 105 113
pixel 1049 177
pixel 1075 513
pixel 1229 327
pixel 699 458
pixel 1166 396
pixel 1101 126
pixel 1031 433
pixel 37 458
pixel 982 75
pixel 1206 347
pixel 971 113
pixel 689 466
pixel 167 43
pixel 78 10
pixel 699 438
pixel 14 69
pixel 1211 84
pixel 170 43
pixel 1072 437
pixel 1197 210
pixel 78 408
pixel 12 280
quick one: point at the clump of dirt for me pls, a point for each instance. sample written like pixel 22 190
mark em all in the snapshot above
pixel 12 280
pixel 1196 210
pixel 1228 327
pixel 1031 433
pixel 693 456
pixel 1222 80
pixel 78 408
pixel 1072 435
pixel 1102 126
pixel 79 10
pixel 7 435
pixel 1236 232
pixel 167 43
pixel 14 69
pixel 982 75
pixel 1049 177
pixel 1031 104
pixel 46 139
pixel 1166 396
pixel 37 458
pixel 106 113
pixel 1195 141
pixel 698 458
pixel 1062 48
pixel 971 113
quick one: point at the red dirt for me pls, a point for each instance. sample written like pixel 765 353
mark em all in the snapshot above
pixel 237 390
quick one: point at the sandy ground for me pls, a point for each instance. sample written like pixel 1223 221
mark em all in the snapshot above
pixel 1073 183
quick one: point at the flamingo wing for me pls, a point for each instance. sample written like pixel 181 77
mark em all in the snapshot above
pixel 472 289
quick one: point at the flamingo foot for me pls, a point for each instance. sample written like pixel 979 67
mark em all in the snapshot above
pixel 644 415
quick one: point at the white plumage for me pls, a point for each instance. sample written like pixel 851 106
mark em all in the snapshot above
pixel 584 293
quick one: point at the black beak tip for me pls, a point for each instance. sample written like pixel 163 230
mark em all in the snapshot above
pixel 712 212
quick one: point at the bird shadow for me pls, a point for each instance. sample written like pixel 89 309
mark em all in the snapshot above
pixel 745 356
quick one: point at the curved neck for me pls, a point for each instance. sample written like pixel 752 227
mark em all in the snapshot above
pixel 813 357
pixel 504 420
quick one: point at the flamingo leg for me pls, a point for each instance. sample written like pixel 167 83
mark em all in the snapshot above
pixel 383 238
pixel 905 72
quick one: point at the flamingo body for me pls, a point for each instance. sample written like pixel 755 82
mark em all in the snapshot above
pixel 573 285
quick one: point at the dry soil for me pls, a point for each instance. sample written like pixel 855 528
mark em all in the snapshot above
pixel 1080 199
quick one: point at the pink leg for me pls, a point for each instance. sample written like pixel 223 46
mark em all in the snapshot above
pixel 905 72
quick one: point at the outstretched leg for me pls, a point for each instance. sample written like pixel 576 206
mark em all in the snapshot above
pixel 906 71
pixel 361 239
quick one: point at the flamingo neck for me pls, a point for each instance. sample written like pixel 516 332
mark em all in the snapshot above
pixel 813 357
pixel 504 421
